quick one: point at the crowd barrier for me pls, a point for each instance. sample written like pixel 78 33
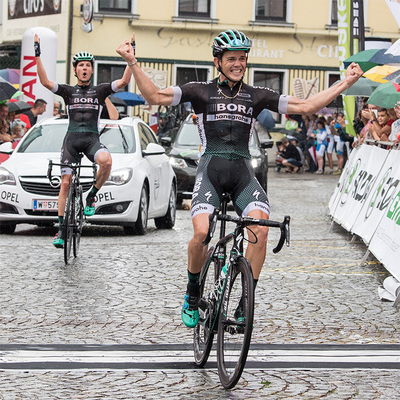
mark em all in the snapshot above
pixel 366 201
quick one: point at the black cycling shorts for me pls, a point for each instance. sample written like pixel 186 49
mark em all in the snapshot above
pixel 217 175
pixel 76 143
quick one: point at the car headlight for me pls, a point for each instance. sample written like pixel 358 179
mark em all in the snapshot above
pixel 6 177
pixel 255 162
pixel 177 162
pixel 120 177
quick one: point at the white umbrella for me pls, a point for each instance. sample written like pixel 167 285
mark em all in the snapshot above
pixel 394 48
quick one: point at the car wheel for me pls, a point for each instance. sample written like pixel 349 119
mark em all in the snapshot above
pixel 168 220
pixel 140 226
pixel 8 229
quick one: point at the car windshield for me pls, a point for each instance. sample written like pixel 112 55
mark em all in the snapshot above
pixel 188 136
pixel 49 138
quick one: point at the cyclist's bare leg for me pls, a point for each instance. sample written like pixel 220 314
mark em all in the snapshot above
pixel 256 253
pixel 197 252
pixel 105 162
pixel 62 195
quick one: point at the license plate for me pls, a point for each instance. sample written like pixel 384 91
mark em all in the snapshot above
pixel 47 205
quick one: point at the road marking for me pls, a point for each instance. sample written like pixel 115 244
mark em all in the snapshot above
pixel 180 357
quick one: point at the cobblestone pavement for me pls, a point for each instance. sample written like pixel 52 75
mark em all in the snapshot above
pixel 128 290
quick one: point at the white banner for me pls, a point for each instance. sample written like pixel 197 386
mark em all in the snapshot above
pixel 380 196
pixel 29 80
pixel 359 178
pixel 335 198
pixel 385 243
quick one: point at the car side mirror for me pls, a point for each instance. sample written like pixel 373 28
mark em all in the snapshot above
pixel 166 141
pixel 153 149
pixel 6 148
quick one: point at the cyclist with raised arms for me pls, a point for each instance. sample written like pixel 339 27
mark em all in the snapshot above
pixel 84 103
pixel 226 109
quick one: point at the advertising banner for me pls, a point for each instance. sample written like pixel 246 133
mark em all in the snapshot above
pixel 27 9
pixel 343 181
pixel 380 195
pixel 350 41
pixel 29 81
pixel 356 186
pixel 385 243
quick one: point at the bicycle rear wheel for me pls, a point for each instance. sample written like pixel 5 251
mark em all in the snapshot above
pixel 234 334
pixel 78 220
pixel 203 332
pixel 68 229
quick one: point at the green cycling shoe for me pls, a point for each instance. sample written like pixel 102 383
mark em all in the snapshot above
pixel 58 240
pixel 190 311
pixel 89 209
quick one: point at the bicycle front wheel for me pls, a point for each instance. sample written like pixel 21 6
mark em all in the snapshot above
pixel 235 323
pixel 78 220
pixel 69 221
pixel 203 332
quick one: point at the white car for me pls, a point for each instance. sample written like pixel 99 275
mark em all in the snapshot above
pixel 142 183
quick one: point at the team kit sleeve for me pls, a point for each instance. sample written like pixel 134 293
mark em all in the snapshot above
pixel 268 98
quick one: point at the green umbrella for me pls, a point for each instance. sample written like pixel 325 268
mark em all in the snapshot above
pixel 363 87
pixel 362 58
pixel 386 95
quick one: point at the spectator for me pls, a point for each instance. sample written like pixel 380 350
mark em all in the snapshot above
pixel 56 109
pixel 16 131
pixel 361 127
pixel 312 126
pixel 395 129
pixel 291 123
pixel 30 117
pixel 379 127
pixel 321 135
pixel 338 125
pixel 4 127
pixel 331 143
pixel 290 155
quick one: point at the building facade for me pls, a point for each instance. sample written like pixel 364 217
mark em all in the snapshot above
pixel 294 42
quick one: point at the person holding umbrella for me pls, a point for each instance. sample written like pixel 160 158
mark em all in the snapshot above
pixel 84 103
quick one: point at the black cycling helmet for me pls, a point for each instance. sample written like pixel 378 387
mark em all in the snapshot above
pixel 230 39
pixel 82 56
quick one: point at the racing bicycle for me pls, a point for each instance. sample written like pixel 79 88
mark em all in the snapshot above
pixel 73 215
pixel 226 303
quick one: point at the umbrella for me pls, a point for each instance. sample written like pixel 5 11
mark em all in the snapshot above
pixel 385 95
pixel 363 59
pixel 6 90
pixel 381 57
pixel 131 99
pixel 379 73
pixel 266 118
pixel 10 75
pixel 18 106
pixel 394 49
pixel 117 101
pixel 324 111
pixel 394 77
pixel 363 87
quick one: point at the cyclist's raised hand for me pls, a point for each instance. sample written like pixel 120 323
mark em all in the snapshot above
pixel 36 45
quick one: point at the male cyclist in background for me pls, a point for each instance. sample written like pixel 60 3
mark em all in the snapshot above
pixel 83 103
pixel 226 110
